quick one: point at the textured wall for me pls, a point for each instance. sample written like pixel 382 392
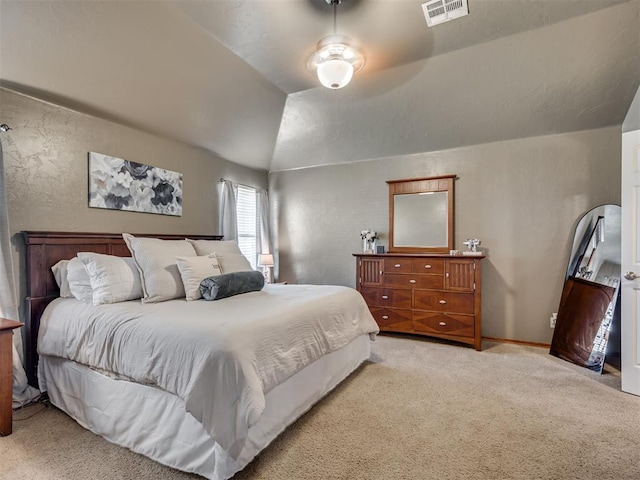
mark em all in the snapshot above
pixel 522 198
pixel 46 169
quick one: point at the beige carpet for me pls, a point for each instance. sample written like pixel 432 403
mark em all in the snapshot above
pixel 418 410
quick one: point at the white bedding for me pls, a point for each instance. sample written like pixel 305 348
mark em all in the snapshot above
pixel 155 423
pixel 224 355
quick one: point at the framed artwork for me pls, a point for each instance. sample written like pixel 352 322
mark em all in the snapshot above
pixel 118 184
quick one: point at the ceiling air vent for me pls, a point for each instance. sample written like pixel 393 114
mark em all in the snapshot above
pixel 440 11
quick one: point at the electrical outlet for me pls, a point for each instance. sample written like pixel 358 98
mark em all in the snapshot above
pixel 552 320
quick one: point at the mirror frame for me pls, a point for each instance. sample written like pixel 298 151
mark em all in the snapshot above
pixel 442 183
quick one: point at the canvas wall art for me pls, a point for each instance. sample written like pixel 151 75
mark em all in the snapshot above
pixel 118 184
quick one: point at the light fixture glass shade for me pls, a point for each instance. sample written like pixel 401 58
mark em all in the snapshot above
pixel 335 73
pixel 335 61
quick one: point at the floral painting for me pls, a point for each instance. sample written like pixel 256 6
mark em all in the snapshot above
pixel 119 184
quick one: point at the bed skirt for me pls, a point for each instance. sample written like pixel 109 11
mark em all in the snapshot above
pixel 154 423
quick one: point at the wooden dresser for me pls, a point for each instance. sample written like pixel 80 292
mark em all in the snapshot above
pixel 427 294
pixel 6 374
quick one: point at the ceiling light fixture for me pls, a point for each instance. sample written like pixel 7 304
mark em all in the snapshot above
pixel 335 61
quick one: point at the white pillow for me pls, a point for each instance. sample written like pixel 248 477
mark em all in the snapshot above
pixel 156 262
pixel 233 262
pixel 113 279
pixel 60 273
pixel 205 247
pixel 195 269
pixel 79 281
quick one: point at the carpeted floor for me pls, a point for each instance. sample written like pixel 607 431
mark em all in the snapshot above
pixel 419 410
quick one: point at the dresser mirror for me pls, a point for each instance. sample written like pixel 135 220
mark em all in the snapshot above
pixel 421 215
pixel 588 325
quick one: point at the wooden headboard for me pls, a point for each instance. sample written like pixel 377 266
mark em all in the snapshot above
pixel 45 249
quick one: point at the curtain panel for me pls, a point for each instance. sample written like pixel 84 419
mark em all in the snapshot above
pixel 22 392
pixel 263 243
pixel 228 225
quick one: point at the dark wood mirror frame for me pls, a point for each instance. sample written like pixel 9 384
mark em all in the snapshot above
pixel 443 183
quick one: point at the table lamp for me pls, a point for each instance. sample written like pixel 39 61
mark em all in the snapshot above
pixel 265 260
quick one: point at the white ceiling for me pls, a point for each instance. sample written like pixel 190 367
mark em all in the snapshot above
pixel 277 36
pixel 230 75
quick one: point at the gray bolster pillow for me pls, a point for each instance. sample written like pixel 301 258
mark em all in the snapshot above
pixel 229 284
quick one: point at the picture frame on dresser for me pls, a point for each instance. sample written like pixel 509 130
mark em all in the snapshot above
pixel 418 287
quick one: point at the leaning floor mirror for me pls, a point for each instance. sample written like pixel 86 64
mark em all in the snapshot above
pixel 588 325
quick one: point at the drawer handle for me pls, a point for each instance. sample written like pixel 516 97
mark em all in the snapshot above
pixel 397 265
pixel 442 324
pixel 427 266
pixel 447 275
pixel 442 302
pixel 412 281
pixel 385 297
pixel 385 317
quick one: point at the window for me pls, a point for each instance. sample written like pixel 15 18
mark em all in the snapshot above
pixel 247 223
pixel 244 217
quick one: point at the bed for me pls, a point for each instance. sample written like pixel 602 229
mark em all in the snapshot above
pixel 206 421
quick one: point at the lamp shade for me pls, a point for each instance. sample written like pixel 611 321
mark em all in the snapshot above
pixel 265 260
pixel 335 73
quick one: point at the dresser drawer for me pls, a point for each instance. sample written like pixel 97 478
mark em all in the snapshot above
pixel 412 281
pixel 449 324
pixel 443 301
pixel 426 294
pixel 427 265
pixel 392 318
pixel 397 265
pixel 387 297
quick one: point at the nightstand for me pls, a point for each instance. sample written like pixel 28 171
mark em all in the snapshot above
pixel 6 374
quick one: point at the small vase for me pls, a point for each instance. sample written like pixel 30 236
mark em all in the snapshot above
pixel 368 246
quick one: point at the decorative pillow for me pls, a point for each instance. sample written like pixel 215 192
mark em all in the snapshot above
pixel 233 262
pixel 113 279
pixel 229 284
pixel 60 273
pixel 156 262
pixel 205 247
pixel 79 281
pixel 195 269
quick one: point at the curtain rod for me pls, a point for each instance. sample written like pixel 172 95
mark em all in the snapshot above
pixel 222 179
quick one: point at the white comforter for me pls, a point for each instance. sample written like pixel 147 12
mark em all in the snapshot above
pixel 220 357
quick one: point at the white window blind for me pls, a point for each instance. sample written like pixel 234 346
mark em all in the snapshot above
pixel 247 222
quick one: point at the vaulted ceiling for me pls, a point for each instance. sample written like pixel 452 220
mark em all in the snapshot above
pixel 230 75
